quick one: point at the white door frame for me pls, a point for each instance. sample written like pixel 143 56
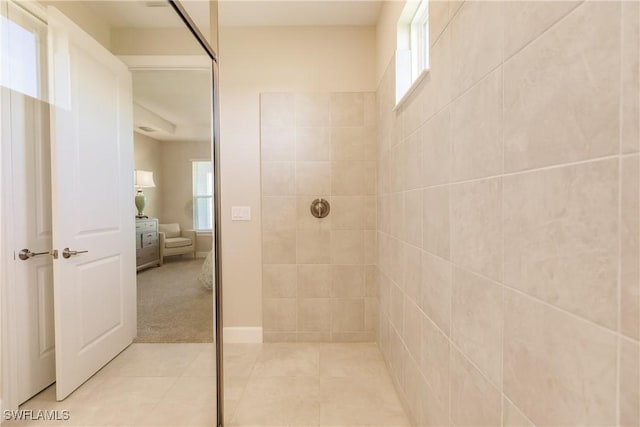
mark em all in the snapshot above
pixel 8 333
pixel 8 328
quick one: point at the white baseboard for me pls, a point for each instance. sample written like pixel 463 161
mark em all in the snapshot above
pixel 201 254
pixel 242 334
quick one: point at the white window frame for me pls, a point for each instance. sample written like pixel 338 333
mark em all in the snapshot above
pixel 412 54
pixel 197 197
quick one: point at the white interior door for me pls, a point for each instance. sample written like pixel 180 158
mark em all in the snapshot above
pixel 92 187
pixel 33 269
pixel 27 118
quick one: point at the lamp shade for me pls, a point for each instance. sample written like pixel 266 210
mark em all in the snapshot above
pixel 143 179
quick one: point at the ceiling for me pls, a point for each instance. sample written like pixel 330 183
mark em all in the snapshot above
pixel 158 13
pixel 149 14
pixel 298 12
pixel 181 97
pixel 176 103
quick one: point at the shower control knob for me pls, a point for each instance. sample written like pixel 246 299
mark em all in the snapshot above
pixel 320 208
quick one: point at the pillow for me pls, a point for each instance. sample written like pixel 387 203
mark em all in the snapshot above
pixel 170 230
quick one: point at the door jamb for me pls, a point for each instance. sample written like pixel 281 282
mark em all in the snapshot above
pixel 8 333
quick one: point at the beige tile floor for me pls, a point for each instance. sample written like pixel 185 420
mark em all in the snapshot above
pixel 265 385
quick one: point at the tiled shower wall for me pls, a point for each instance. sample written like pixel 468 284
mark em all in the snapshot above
pixel 319 279
pixel 509 217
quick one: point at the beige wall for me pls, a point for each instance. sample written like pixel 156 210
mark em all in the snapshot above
pixel 147 157
pixel 84 17
pixel 154 41
pixel 267 59
pixel 508 225
pixel 172 199
pixel 319 274
pixel 177 179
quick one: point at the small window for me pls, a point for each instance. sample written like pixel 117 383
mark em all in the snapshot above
pixel 412 55
pixel 202 195
pixel 22 57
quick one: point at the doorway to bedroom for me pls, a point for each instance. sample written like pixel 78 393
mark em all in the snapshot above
pixel 174 190
pixel 73 354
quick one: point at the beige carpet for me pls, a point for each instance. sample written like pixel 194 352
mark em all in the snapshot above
pixel 173 307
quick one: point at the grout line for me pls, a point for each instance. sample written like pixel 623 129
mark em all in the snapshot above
pixel 525 416
pixel 536 38
pixel 502 221
pixel 519 173
pixel 619 218
pixel 515 290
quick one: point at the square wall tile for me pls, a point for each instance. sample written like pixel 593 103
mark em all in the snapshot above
pixel 476 226
pixel 277 109
pixel 279 281
pixel 278 144
pixel 305 219
pixel 371 280
pixel 279 336
pixel 412 327
pixel 554 81
pixel 314 315
pixel 441 70
pixel 371 314
pixel 558 369
pixel 412 273
pixel 436 290
pixel 314 281
pixel 477 40
pixel 353 178
pixel 438 19
pixel 313 144
pixel 369 212
pixel 313 178
pixel 347 109
pixel 347 314
pixel 312 109
pixel 630 248
pixel 370 109
pixel 279 247
pixel 313 247
pixel 436 149
pixel 347 247
pixel 526 20
pixel 413 217
pixel 561 242
pixel 278 213
pixel 477 130
pixel 512 416
pixel 347 213
pixel 477 317
pixel 278 179
pixel 347 281
pixel 474 401
pixel 629 383
pixel 396 215
pixel 348 143
pixel 396 311
pixel 434 359
pixel 411 152
pixel 436 234
pixel 370 247
pixel 630 77
pixel 279 314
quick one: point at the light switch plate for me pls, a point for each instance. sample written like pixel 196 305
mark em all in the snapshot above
pixel 241 213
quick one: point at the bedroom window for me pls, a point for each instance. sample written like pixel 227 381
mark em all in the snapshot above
pixel 202 195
